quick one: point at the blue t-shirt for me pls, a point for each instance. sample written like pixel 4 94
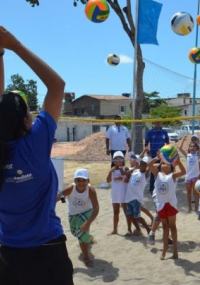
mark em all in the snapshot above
pixel 157 139
pixel 28 195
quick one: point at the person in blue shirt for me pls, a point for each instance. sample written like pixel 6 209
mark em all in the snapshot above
pixel 155 139
pixel 33 249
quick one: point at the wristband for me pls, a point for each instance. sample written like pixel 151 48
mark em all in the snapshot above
pixel 2 53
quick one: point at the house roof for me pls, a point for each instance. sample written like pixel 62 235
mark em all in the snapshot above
pixel 104 97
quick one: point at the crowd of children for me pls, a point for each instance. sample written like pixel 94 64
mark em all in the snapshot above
pixel 127 191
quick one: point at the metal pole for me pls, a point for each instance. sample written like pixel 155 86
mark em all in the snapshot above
pixel 134 71
pixel 195 75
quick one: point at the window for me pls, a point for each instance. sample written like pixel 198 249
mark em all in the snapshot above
pixel 92 109
pixel 82 110
pixel 122 109
pixel 75 111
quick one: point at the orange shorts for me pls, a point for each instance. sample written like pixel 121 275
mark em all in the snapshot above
pixel 167 211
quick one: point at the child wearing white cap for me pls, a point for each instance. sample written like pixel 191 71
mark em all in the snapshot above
pixel 83 208
pixel 118 190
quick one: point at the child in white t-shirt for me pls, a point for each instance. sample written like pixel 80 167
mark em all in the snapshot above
pixel 166 201
pixel 192 172
pixel 83 208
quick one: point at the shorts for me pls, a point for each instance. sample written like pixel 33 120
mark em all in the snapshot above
pixel 48 264
pixel 167 211
pixel 76 221
pixel 133 208
pixel 191 181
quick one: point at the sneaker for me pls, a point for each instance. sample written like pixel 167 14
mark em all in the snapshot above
pixel 151 239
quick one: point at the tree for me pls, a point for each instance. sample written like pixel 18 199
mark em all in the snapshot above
pixel 29 88
pixel 152 100
pixel 165 111
pixel 126 18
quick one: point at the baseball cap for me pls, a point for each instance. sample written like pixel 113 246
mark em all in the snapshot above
pixel 195 136
pixel 145 159
pixel 136 157
pixel 81 173
pixel 118 153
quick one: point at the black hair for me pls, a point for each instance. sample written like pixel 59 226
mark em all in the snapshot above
pixel 13 110
pixel 172 167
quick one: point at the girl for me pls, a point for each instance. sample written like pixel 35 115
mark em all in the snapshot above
pixel 192 172
pixel 118 191
pixel 33 249
pixel 83 208
pixel 166 201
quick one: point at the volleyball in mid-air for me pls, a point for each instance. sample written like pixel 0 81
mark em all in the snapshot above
pixel 194 55
pixel 197 186
pixel 97 11
pixel 168 153
pixel 113 59
pixel 198 20
pixel 182 23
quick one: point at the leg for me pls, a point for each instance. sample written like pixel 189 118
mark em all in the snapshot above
pixel 165 237
pixel 146 211
pixel 151 183
pixel 143 222
pixel 130 220
pixel 189 196
pixel 86 259
pixel 196 198
pixel 172 226
pixel 116 211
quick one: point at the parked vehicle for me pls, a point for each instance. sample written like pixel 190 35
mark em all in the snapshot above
pixel 186 130
pixel 173 136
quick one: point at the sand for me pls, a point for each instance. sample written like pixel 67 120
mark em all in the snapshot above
pixel 130 260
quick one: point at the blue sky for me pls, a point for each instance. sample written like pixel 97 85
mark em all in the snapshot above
pixel 77 48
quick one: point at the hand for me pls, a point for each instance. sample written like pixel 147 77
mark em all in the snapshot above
pixel 7 40
pixel 85 227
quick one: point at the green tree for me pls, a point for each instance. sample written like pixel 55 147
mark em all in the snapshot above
pixel 166 111
pixel 152 100
pixel 29 88
pixel 125 16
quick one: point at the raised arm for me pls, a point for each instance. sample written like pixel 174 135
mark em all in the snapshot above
pixel 54 83
pixel 1 71
pixel 153 166
pixel 181 171
pixel 181 147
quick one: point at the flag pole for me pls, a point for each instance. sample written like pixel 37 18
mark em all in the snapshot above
pixel 134 71
pixel 195 75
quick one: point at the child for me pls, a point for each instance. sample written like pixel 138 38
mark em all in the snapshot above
pixel 118 191
pixel 83 208
pixel 192 172
pixel 166 201
pixel 135 192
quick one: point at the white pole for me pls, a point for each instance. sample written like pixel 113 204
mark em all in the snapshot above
pixel 135 70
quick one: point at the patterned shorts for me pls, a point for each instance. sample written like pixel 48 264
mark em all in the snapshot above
pixel 76 221
pixel 191 181
pixel 133 208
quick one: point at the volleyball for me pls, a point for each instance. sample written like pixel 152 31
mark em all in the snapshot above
pixel 197 186
pixel 198 20
pixel 194 55
pixel 168 153
pixel 113 59
pixel 97 11
pixel 182 23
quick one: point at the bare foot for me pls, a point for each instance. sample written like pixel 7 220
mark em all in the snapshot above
pixel 175 256
pixel 162 257
pixel 112 233
pixel 88 262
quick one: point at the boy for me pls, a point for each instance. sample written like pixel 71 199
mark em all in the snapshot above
pixel 83 208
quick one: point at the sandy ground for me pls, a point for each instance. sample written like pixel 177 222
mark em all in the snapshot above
pixel 130 260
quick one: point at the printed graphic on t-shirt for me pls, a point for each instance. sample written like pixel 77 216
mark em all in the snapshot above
pixel 78 203
pixel 135 180
pixel 162 188
pixel 191 160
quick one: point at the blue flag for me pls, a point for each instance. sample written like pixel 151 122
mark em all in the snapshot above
pixel 148 15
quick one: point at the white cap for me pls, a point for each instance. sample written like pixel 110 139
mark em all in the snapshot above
pixel 136 157
pixel 195 136
pixel 118 153
pixel 146 159
pixel 130 154
pixel 81 173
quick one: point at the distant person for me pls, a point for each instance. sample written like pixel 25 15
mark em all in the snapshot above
pixel 192 172
pixel 155 138
pixel 117 139
pixel 83 208
pixel 33 245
